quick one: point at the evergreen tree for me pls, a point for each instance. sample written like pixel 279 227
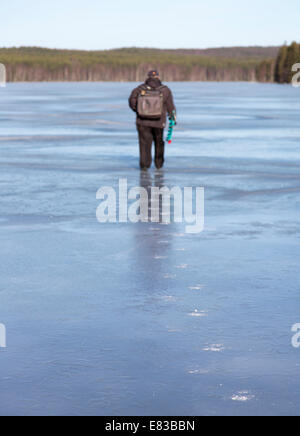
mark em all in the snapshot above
pixel 287 57
pixel 280 63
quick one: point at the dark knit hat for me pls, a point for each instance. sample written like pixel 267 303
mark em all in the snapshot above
pixel 153 73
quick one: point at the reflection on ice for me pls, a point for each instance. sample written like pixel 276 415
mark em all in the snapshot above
pixel 198 313
pixel 242 396
pixel 197 287
pixel 170 276
pixel 216 348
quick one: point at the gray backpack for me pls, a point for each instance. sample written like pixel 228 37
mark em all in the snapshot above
pixel 150 103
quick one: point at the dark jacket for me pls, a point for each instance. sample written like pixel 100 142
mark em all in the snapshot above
pixel 168 107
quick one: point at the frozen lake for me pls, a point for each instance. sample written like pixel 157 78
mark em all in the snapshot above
pixel 144 319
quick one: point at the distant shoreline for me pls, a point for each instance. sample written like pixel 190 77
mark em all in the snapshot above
pixel 229 64
pixel 134 82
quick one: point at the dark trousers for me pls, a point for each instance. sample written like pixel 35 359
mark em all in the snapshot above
pixel 146 137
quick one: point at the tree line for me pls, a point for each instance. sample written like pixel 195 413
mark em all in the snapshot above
pixel 261 64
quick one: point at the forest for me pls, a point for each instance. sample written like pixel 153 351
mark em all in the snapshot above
pixel 261 64
pixel 287 57
pixel 131 64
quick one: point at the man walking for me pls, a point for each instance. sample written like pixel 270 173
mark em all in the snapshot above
pixel 152 101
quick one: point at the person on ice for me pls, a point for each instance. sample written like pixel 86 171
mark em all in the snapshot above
pixel 152 101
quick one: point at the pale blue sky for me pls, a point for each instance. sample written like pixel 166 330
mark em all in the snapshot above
pixel 97 24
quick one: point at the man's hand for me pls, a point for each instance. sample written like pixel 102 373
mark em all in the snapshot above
pixel 173 117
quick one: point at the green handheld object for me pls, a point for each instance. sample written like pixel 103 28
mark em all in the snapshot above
pixel 172 124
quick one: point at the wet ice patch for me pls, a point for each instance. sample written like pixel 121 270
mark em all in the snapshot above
pixel 198 371
pixel 172 330
pixel 168 298
pixel 215 348
pixel 170 276
pixel 196 288
pixel 198 313
pixel 242 396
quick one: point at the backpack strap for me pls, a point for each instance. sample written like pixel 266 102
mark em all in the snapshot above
pixel 144 87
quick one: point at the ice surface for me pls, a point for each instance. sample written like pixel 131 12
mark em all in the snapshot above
pixel 143 319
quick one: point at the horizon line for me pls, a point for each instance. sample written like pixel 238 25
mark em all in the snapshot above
pixel 142 48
